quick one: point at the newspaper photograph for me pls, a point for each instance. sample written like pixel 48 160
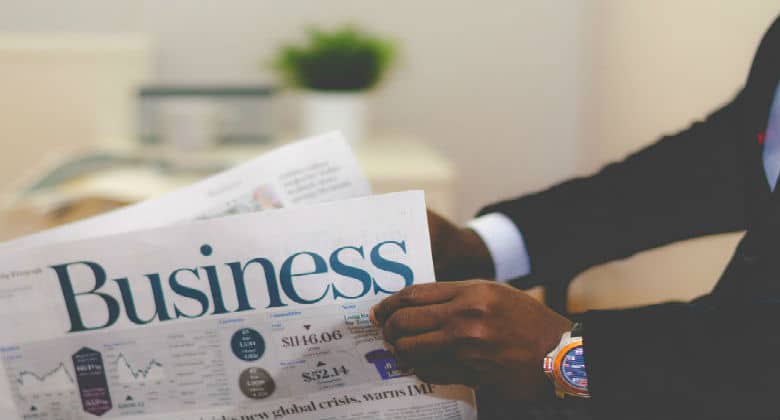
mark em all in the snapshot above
pixel 249 316
pixel 314 170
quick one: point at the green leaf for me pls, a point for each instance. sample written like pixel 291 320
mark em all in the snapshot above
pixel 344 59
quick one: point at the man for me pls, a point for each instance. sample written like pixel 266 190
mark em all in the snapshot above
pixel 714 357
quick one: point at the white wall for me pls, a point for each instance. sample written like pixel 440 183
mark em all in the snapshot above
pixel 655 66
pixel 495 85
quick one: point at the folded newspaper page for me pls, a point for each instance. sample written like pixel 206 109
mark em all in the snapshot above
pixel 251 316
pixel 314 170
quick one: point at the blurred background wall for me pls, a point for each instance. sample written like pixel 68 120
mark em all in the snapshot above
pixel 518 93
pixel 495 85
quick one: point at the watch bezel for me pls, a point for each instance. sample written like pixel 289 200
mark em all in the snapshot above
pixel 553 367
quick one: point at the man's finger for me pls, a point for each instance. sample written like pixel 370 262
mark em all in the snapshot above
pixel 414 320
pixel 418 350
pixel 447 372
pixel 417 295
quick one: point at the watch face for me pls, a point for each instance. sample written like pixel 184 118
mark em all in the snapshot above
pixel 573 368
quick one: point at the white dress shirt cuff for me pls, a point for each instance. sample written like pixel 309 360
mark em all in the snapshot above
pixel 505 243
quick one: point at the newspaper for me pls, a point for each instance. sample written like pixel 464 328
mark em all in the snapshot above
pixel 315 170
pixel 251 316
pixel 145 324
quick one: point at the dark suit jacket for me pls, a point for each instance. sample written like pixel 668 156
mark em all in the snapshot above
pixel 715 357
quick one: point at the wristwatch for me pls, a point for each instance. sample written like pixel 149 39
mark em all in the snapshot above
pixel 565 366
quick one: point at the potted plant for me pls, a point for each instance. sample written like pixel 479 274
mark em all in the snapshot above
pixel 335 69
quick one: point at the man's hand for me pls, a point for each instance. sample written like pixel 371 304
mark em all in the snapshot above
pixel 472 332
pixel 458 253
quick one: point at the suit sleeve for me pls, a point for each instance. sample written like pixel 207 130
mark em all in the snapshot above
pixel 685 361
pixel 686 185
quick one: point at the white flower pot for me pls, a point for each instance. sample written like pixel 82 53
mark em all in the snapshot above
pixel 328 111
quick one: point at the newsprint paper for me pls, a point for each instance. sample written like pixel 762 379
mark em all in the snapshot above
pixel 314 170
pixel 249 316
